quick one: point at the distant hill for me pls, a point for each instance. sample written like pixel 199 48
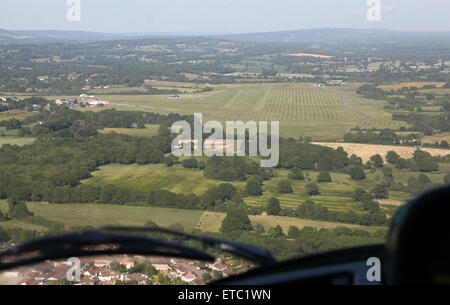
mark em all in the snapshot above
pixel 335 35
pixel 25 37
pixel 31 37
pixel 298 36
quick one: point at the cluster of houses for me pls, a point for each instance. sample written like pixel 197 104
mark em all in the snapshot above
pixel 216 145
pixel 91 101
pixel 84 100
pixel 333 82
pixel 100 271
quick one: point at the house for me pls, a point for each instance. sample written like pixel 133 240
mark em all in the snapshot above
pixel 81 122
pixel 59 273
pixel 218 266
pixel 182 143
pixel 103 263
pixel 110 276
pixel 188 277
pixel 160 263
pixel 128 263
pixel 92 272
pixel 87 281
pixel 26 281
pixel 140 278
pixel 62 102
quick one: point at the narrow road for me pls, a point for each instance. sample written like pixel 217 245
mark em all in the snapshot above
pixel 350 107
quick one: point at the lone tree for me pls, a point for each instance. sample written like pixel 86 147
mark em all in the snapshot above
pixel 377 160
pixel 324 176
pixel 236 219
pixel 284 187
pixel 253 187
pixel 356 173
pixel 312 189
pixel 273 207
pixel 296 174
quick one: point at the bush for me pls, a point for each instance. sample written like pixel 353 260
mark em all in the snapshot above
pixel 293 232
pixel 324 176
pixel 190 163
pixel 18 210
pixel 312 189
pixel 253 187
pixel 284 187
pixel 356 173
pixel 380 192
pixel 377 160
pixel 447 179
pixel 3 217
pixel 276 232
pixel 4 236
pixel 296 174
pixel 358 194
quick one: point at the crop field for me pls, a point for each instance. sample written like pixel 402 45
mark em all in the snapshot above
pixel 365 151
pixel 302 109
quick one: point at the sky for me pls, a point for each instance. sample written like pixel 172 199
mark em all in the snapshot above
pixel 221 16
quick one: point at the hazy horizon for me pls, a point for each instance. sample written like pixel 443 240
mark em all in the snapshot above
pixel 222 17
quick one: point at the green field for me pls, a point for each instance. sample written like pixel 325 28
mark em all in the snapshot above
pixel 97 215
pixel 104 214
pixel 16 140
pixel 149 131
pixel 302 109
pixel 336 195
pixel 154 176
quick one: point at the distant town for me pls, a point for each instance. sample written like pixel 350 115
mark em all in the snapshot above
pixel 125 269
